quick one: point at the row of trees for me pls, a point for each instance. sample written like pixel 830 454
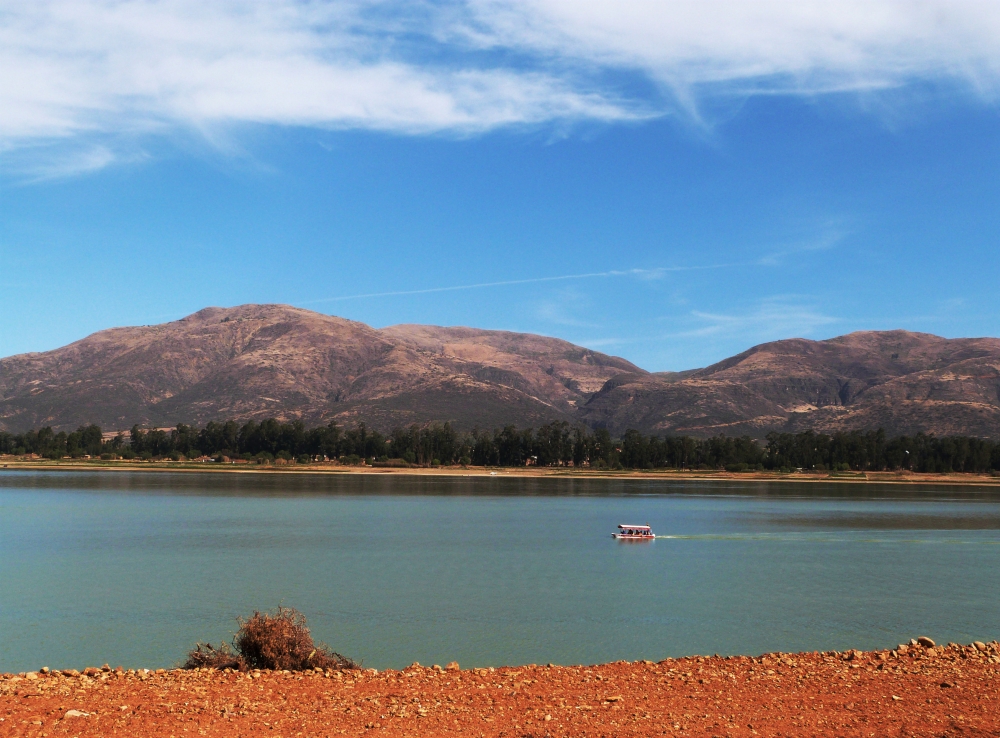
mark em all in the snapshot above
pixel 552 444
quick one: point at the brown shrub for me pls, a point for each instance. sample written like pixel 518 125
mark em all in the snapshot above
pixel 270 640
pixel 205 655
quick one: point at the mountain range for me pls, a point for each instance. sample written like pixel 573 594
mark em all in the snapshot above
pixel 257 361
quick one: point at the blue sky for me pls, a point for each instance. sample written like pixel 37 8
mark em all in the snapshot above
pixel 668 182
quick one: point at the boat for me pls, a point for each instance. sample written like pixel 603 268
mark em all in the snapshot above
pixel 633 532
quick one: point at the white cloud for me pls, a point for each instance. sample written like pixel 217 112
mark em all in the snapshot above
pixel 79 69
pixel 793 45
pixel 772 319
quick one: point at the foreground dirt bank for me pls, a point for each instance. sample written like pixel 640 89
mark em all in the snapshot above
pixel 11 464
pixel 910 691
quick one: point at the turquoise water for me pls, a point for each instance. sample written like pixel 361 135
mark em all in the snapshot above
pixel 133 568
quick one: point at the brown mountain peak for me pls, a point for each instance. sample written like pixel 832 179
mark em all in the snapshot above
pixel 255 361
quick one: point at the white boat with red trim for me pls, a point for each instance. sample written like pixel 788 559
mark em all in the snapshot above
pixel 633 532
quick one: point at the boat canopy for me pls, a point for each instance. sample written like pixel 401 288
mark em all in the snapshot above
pixel 635 527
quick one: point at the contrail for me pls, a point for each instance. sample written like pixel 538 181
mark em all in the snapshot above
pixel 588 275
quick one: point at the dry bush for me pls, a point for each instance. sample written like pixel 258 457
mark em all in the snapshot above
pixel 270 640
pixel 208 656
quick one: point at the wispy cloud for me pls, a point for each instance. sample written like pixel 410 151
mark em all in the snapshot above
pixel 782 316
pixel 568 307
pixel 787 46
pixel 829 238
pixel 773 318
pixel 76 69
pixel 645 274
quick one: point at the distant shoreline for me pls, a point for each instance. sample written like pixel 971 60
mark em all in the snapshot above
pixel 528 472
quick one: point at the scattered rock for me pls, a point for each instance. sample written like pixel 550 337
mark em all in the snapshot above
pixel 31 675
pixel 76 714
pixel 925 642
pixel 947 685
pixel 613 698
pixel 980 646
pixel 45 669
pixel 452 666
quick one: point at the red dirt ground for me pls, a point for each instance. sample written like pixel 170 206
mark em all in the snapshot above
pixel 910 691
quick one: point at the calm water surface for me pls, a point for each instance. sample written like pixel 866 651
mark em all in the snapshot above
pixel 133 568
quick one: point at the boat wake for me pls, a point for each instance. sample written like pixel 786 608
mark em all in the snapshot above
pixel 813 538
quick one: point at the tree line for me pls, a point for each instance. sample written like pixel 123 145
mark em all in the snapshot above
pixel 553 444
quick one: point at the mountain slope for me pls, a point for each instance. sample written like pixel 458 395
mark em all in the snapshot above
pixel 257 361
pixel 903 382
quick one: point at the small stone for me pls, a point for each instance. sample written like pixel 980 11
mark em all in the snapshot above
pixel 31 675
pixel 45 669
pixel 76 714
pixel 925 642
pixel 897 699
pixel 980 646
pixel 452 666
pixel 547 718
pixel 947 685
pixel 613 698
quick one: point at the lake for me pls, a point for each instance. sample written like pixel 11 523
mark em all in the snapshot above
pixel 133 568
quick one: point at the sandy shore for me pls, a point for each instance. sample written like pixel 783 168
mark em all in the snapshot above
pixel 9 464
pixel 911 691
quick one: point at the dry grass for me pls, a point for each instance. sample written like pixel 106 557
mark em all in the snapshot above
pixel 270 640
